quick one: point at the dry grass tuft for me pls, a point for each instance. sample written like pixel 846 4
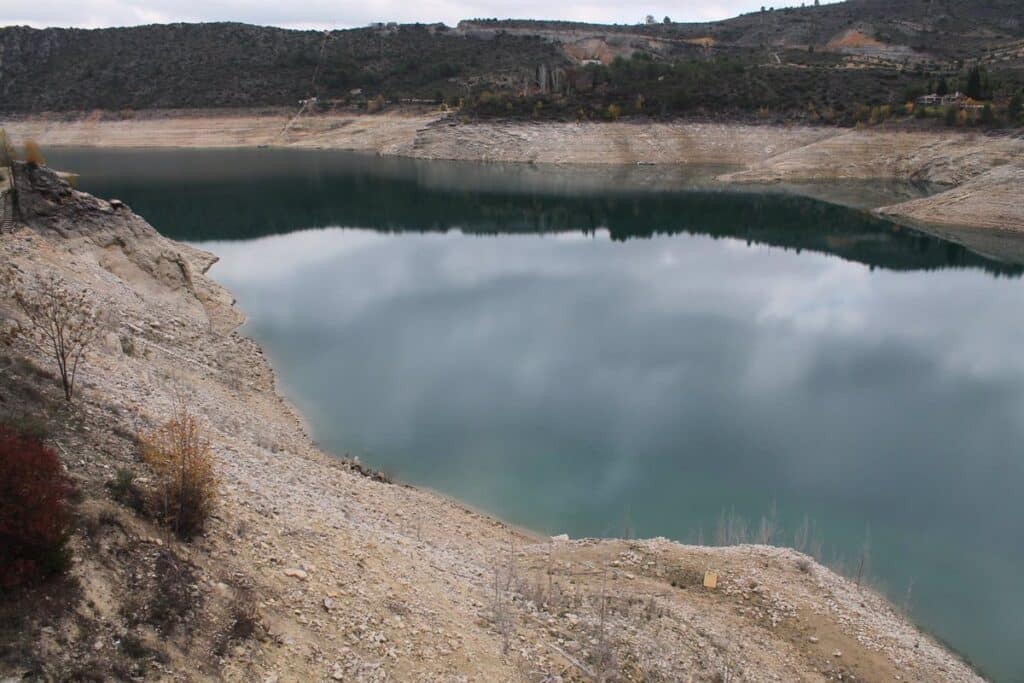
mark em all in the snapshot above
pixel 242 622
pixel 126 491
pixel 33 154
pixel 186 486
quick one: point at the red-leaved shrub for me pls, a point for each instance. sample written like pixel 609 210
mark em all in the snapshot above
pixel 34 511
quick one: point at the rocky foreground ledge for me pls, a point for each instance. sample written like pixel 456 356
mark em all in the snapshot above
pixel 978 177
pixel 354 578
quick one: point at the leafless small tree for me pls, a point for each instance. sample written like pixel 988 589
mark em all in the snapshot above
pixel 7 152
pixel 864 562
pixel 769 527
pixel 504 583
pixel 63 322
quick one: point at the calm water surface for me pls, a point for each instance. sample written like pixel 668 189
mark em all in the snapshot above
pixel 599 352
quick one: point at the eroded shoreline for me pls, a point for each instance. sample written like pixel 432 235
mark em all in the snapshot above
pixel 980 176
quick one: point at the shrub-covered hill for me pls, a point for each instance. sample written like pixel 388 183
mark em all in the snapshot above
pixel 943 29
pixel 843 62
pixel 237 65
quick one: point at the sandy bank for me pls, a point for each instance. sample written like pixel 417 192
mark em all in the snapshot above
pixel 358 579
pixel 972 163
pixel 385 134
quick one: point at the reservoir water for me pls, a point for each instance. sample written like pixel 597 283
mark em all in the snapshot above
pixel 608 352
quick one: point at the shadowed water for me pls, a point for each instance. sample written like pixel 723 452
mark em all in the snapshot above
pixel 599 352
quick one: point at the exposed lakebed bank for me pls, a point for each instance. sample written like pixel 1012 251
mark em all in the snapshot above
pixel 361 580
pixel 978 177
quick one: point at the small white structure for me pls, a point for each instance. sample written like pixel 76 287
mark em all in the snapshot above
pixel 957 98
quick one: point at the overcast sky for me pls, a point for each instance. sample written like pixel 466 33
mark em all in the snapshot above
pixel 349 13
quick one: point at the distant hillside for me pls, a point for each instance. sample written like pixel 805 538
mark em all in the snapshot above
pixel 236 65
pixel 860 61
pixel 839 63
pixel 920 29
pixel 946 29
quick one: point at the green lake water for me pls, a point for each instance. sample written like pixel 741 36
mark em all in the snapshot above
pixel 603 352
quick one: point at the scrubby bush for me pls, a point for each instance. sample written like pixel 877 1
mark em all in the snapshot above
pixel 1013 110
pixel 33 154
pixel 245 614
pixel 124 490
pixel 167 599
pixel 35 513
pixel 988 117
pixel 122 483
pixel 31 425
pixel 186 486
pixel 243 620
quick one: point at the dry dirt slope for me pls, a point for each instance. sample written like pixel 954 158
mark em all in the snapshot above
pixel 358 579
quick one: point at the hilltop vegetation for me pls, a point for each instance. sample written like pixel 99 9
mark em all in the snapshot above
pixel 235 65
pixel 936 29
pixel 743 89
pixel 860 61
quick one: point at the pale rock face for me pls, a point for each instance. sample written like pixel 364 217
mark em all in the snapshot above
pixel 124 244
